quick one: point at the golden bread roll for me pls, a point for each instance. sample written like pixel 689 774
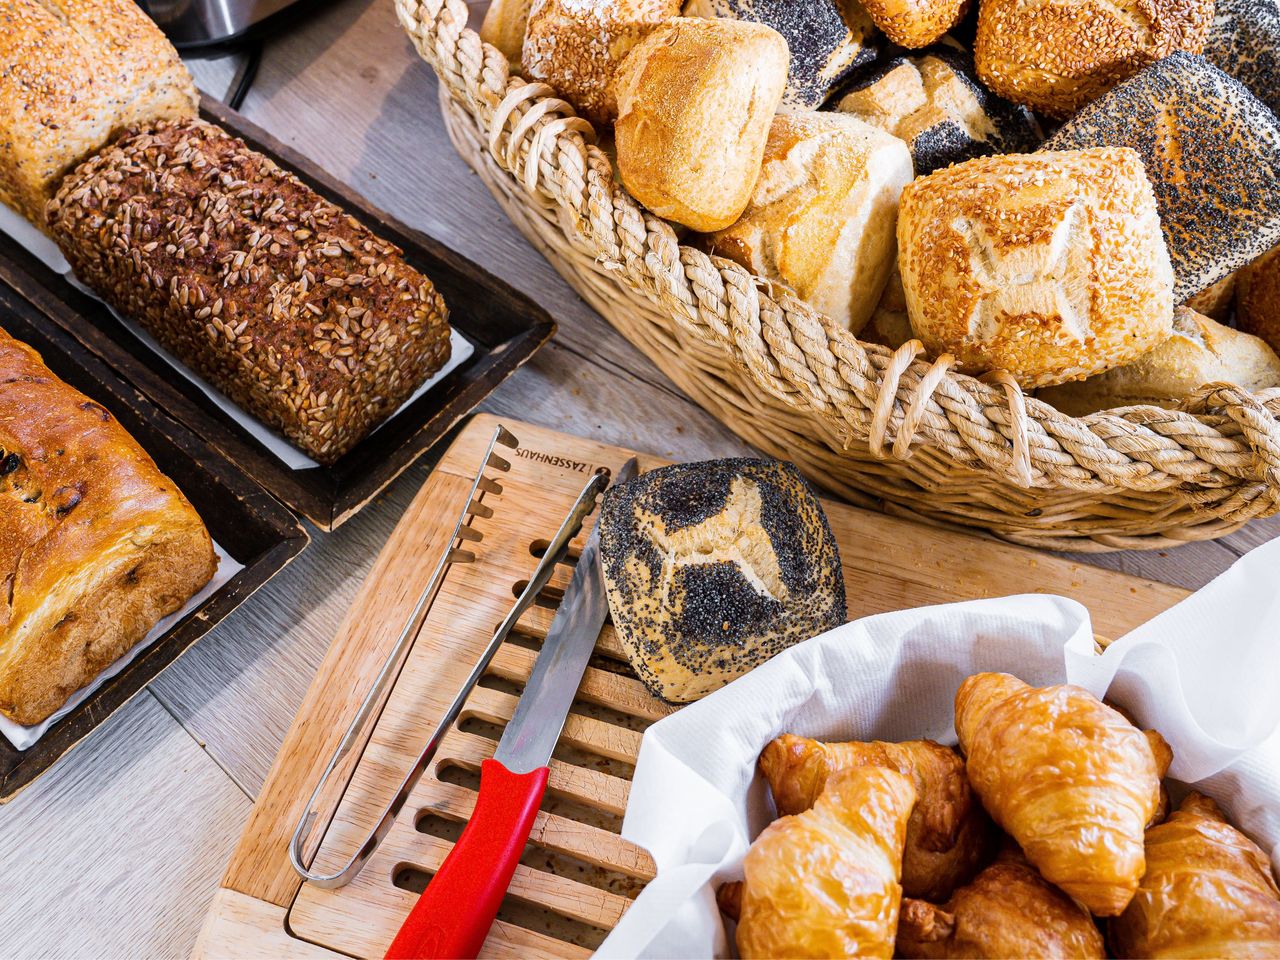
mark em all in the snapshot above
pixel 828 40
pixel 504 27
pixel 1200 351
pixel 1058 55
pixel 712 568
pixel 916 23
pixel 823 213
pixel 1068 778
pixel 576 47
pixel 1212 153
pixel 76 72
pixel 824 883
pixel 1208 892
pixel 948 836
pixel 935 103
pixel 890 324
pixel 1009 910
pixel 1051 266
pixel 1216 300
pixel 96 545
pixel 695 100
pixel 1258 298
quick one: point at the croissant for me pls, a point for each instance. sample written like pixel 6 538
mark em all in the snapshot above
pixel 824 883
pixel 1009 910
pixel 948 835
pixel 1208 892
pixel 1069 778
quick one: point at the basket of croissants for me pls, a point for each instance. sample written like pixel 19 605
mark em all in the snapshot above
pixel 1003 267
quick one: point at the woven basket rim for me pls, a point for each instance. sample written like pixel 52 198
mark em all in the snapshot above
pixel 1220 449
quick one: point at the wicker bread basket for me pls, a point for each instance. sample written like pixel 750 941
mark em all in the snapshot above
pixel 886 429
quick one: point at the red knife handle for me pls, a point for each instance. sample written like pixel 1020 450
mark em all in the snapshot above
pixel 454 914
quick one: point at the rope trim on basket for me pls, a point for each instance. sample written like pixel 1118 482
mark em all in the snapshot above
pixel 1219 454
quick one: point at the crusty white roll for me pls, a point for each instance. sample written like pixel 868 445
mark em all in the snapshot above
pixel 1200 351
pixel 915 23
pixel 73 73
pixel 504 26
pixel 823 213
pixel 1058 55
pixel 1258 297
pixel 828 40
pixel 576 47
pixel 695 100
pixel 1050 266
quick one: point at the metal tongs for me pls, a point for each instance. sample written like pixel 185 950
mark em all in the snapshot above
pixel 361 728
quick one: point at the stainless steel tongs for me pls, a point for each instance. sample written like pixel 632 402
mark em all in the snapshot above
pixel 361 728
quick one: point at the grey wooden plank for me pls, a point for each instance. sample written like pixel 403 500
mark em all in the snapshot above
pixel 116 852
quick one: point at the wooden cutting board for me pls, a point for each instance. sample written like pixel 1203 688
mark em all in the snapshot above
pixel 578 875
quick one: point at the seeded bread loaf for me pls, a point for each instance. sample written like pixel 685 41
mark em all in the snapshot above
pixel 712 568
pixel 822 217
pixel 1050 266
pixel 1244 42
pixel 73 73
pixel 1058 55
pixel 1212 152
pixel 286 304
pixel 96 545
pixel 915 23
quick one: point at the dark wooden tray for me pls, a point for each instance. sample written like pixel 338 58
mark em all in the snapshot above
pixel 503 325
pixel 255 529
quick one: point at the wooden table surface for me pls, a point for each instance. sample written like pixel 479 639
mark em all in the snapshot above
pixel 117 850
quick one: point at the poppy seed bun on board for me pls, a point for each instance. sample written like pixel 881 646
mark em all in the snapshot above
pixel 712 568
pixel 934 102
pixel 828 40
pixel 576 47
pixel 1258 298
pixel 1200 351
pixel 75 73
pixel 1050 266
pixel 1057 55
pixel 695 100
pixel 822 217
pixel 1212 152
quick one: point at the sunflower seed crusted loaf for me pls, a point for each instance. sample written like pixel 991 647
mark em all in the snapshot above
pixel 289 306
pixel 712 568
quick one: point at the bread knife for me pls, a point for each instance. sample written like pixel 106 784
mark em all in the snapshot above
pixel 454 914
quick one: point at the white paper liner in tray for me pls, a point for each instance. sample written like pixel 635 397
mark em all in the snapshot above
pixel 1206 674
pixel 24 737
pixel 14 224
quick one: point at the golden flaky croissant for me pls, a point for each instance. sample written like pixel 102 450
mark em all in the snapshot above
pixel 948 835
pixel 824 883
pixel 1009 910
pixel 1069 778
pixel 1208 892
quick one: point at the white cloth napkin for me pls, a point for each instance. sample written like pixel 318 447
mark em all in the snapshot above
pixel 14 224
pixel 1206 674
pixel 23 737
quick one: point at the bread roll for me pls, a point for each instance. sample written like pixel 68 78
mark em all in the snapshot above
pixel 1200 351
pixel 1058 55
pixel 1258 298
pixel 576 47
pixel 286 304
pixel 96 545
pixel 712 568
pixel 1212 151
pixel 828 40
pixel 1244 42
pixel 1048 265
pixel 75 73
pixel 695 100
pixel 916 23
pixel 823 214
pixel 1215 301
pixel 890 324
pixel 938 107
pixel 504 27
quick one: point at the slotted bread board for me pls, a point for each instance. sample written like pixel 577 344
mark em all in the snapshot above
pixel 578 876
